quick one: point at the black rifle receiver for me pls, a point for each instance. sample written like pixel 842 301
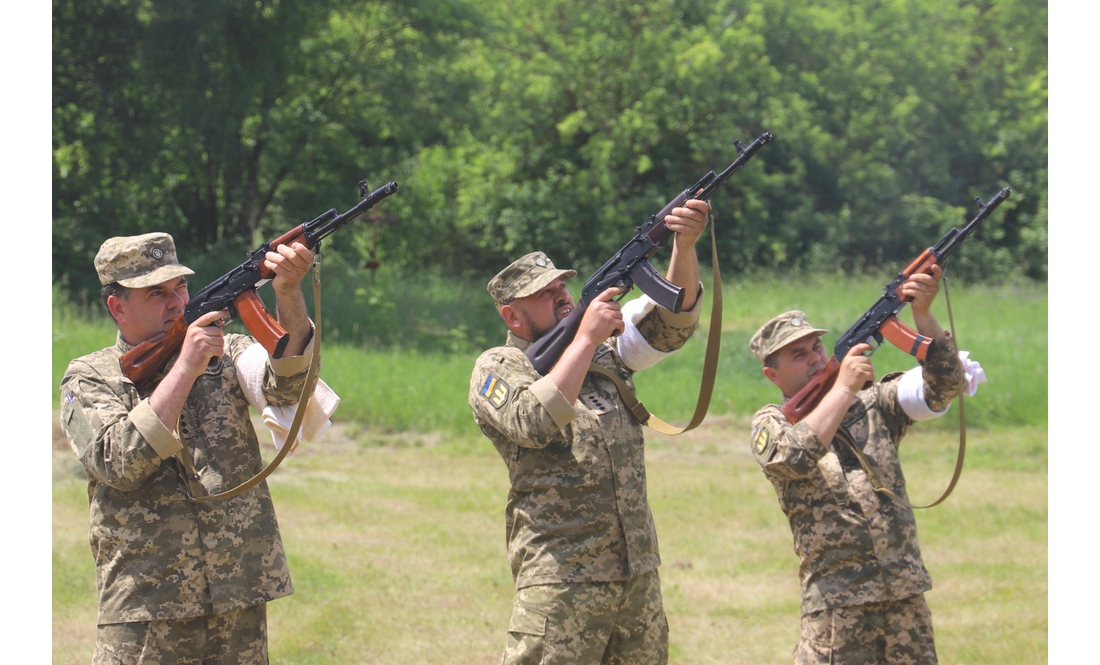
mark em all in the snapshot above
pixel 630 265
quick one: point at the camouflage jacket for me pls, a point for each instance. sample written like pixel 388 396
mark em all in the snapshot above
pixel 159 556
pixel 577 509
pixel 854 544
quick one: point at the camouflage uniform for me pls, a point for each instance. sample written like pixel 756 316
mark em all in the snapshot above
pixel 160 557
pixel 577 511
pixel 859 556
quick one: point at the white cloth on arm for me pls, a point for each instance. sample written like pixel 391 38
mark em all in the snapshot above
pixel 251 366
pixel 634 350
pixel 911 388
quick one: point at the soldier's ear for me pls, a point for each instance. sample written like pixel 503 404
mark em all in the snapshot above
pixel 116 306
pixel 511 318
pixel 772 375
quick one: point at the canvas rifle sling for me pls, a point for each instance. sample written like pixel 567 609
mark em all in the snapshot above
pixel 873 476
pixel 192 488
pixel 710 363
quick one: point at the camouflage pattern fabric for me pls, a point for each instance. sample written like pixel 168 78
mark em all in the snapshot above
pixel 609 623
pixel 159 556
pixel 234 638
pixel 577 508
pixel 896 632
pixel 855 545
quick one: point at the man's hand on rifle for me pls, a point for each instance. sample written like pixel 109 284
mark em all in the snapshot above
pixel 856 371
pixel 603 318
pixel 688 222
pixel 922 289
pixel 290 263
pixel 203 341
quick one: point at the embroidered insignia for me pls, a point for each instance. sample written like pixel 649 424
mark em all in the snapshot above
pixel 158 253
pixel 495 390
pixel 760 437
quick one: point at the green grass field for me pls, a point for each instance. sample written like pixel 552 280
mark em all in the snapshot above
pixel 393 523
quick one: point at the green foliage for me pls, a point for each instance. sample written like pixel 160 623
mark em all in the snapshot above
pixel 552 124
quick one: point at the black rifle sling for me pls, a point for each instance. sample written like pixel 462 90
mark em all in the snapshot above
pixel 191 487
pixel 872 475
pixel 710 363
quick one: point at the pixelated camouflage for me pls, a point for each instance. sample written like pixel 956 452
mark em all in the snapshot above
pixel 238 637
pixel 780 331
pixel 896 631
pixel 524 277
pixel 158 556
pixel 139 261
pixel 592 622
pixel 577 508
pixel 855 545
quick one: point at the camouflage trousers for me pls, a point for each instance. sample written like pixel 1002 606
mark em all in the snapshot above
pixel 610 623
pixel 875 633
pixel 232 638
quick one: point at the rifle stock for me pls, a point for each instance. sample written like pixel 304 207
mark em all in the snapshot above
pixel 881 322
pixel 140 363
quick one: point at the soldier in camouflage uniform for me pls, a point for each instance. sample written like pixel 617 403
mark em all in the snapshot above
pixel 180 582
pixel 863 580
pixel 580 535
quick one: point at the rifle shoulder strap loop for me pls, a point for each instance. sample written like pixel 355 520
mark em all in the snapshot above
pixel 710 363
pixel 295 427
pixel 873 476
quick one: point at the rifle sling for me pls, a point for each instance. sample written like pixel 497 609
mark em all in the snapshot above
pixel 873 476
pixel 710 363
pixel 192 488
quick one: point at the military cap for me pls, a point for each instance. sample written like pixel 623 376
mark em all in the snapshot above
pixel 524 277
pixel 139 261
pixel 779 332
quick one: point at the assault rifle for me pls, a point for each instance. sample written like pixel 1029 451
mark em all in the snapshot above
pixel 630 266
pixel 236 291
pixel 881 320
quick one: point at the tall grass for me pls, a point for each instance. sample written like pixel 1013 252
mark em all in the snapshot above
pixel 421 382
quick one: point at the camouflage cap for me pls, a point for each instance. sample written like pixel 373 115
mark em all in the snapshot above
pixel 779 332
pixel 525 276
pixel 139 261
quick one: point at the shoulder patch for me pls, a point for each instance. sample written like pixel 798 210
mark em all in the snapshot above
pixel 495 390
pixel 760 438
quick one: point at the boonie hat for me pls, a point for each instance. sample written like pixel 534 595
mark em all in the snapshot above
pixel 524 277
pixel 779 332
pixel 139 261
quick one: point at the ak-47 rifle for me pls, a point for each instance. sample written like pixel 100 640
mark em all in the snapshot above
pixel 630 266
pixel 236 292
pixel 881 321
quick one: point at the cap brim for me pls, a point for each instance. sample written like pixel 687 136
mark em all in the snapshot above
pixel 794 338
pixel 158 276
pixel 543 281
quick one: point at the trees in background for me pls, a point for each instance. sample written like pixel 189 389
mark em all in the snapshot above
pixel 551 124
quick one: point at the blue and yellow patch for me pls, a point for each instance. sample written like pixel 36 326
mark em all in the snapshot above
pixel 495 390
pixel 760 438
